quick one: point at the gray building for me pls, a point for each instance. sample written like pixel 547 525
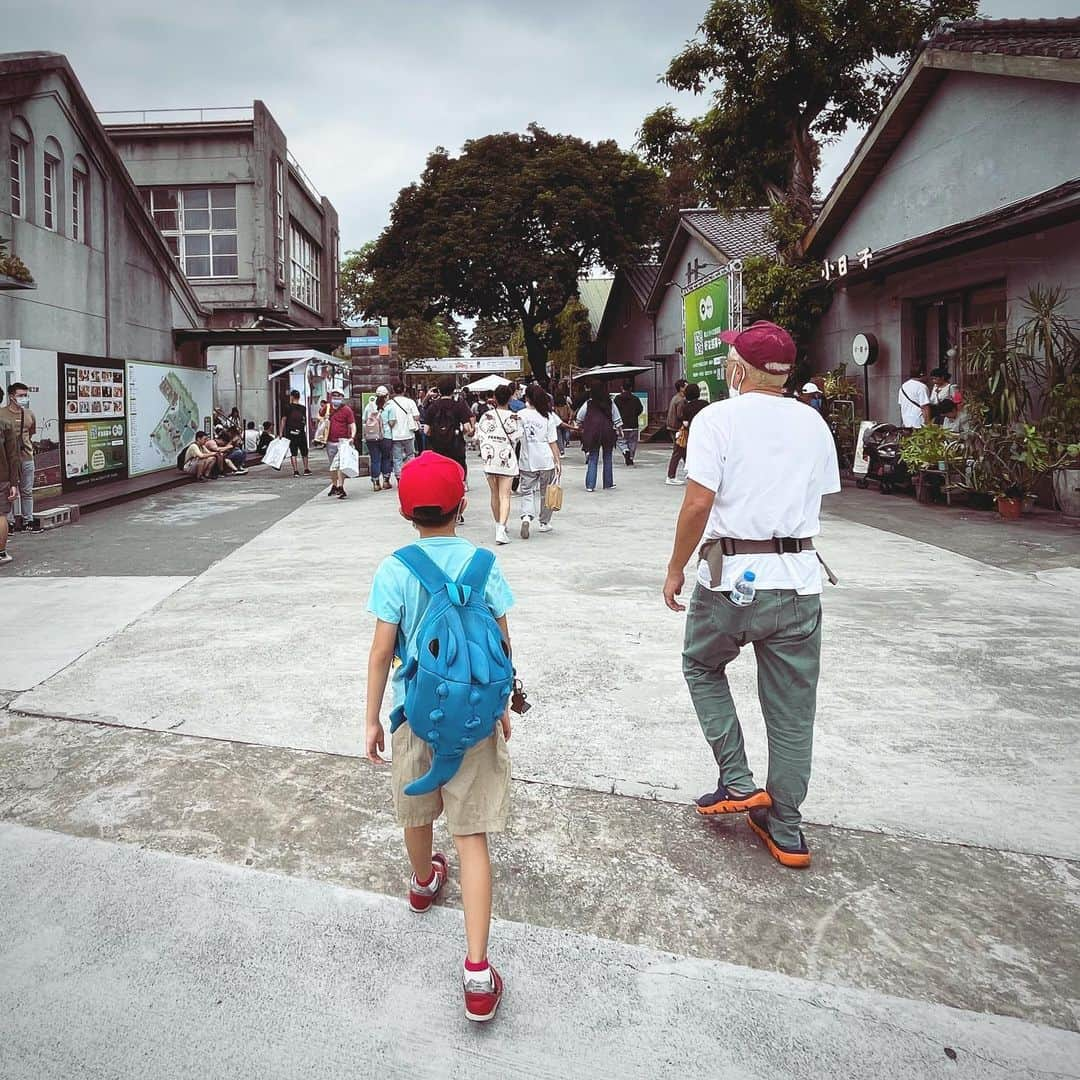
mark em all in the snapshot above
pixel 106 285
pixel 256 240
pixel 643 320
pixel 963 194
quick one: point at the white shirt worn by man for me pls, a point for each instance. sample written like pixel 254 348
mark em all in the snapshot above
pixel 406 416
pixel 913 396
pixel 770 460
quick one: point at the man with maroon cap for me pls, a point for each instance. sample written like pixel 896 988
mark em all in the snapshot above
pixel 757 467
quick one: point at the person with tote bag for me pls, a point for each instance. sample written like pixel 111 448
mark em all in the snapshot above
pixel 540 460
pixel 341 431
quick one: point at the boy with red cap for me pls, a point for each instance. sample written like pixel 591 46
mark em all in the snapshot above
pixel 476 799
pixel 757 466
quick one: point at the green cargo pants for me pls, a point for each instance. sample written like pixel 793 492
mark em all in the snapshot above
pixel 785 630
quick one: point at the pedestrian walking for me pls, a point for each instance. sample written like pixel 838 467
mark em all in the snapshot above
pixel 630 409
pixel 21 513
pixel 674 426
pixel 498 432
pixel 914 400
pixel 600 423
pixel 10 475
pixel 564 409
pixel 448 424
pixel 540 460
pixel 476 796
pixel 342 426
pixel 691 406
pixel 294 427
pixel 377 436
pixel 404 420
pixel 757 468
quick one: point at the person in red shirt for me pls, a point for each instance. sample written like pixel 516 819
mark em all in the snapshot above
pixel 342 426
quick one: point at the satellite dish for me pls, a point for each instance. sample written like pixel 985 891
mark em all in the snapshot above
pixel 864 350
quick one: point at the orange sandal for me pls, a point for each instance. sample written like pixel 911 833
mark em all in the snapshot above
pixel 795 858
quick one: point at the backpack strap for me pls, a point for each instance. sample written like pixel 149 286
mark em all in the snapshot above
pixel 476 574
pixel 423 568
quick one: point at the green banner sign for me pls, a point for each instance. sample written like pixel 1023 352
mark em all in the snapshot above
pixel 706 316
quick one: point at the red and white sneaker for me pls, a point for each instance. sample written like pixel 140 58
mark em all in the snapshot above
pixel 482 995
pixel 421 897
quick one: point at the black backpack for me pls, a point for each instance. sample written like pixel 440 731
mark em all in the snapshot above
pixel 444 427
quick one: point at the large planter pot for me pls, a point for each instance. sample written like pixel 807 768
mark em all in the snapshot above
pixel 1010 509
pixel 1067 490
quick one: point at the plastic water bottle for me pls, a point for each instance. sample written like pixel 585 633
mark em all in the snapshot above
pixel 743 593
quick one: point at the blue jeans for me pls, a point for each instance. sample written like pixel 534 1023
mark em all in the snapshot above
pixel 403 450
pixel 382 457
pixel 590 469
pixel 236 457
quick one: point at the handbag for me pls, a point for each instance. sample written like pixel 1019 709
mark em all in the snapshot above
pixel 553 497
pixel 276 453
pixel 322 432
pixel 410 420
pixel 348 459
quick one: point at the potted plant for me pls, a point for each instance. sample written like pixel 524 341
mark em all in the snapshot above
pixel 12 267
pixel 1061 428
pixel 931 450
pixel 1015 459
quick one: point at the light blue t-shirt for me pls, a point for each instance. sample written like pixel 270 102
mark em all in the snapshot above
pixel 398 597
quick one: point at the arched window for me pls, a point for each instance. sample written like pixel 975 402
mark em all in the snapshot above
pixel 80 200
pixel 52 186
pixel 20 169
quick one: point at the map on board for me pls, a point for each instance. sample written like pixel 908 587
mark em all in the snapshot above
pixel 166 406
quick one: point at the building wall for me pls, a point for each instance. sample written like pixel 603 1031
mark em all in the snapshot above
pixel 1051 257
pixel 113 296
pixel 981 142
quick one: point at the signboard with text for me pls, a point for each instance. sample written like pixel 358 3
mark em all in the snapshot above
pixel 166 406
pixel 706 316
pixel 468 364
pixel 93 403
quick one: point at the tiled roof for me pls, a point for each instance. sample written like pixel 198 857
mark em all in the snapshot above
pixel 736 234
pixel 593 294
pixel 1011 37
pixel 642 277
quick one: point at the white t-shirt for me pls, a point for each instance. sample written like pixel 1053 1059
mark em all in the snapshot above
pixel 498 431
pixel 537 435
pixel 401 410
pixel 911 415
pixel 769 459
pixel 251 440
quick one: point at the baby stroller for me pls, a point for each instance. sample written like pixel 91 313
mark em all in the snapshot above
pixel 881 445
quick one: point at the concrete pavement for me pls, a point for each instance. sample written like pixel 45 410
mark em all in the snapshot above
pixel 164 967
pixel 948 698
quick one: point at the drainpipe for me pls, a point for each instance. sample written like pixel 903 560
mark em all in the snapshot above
pixel 108 276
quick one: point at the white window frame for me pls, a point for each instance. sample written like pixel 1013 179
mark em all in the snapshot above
pixel 49 190
pixel 279 218
pixel 79 188
pixel 183 230
pixel 304 280
pixel 17 178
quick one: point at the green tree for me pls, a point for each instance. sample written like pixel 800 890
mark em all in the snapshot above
pixel 785 77
pixel 504 230
pixel 354 280
pixel 419 338
pixel 490 336
pixel 575 338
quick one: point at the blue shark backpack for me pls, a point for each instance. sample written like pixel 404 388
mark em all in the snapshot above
pixel 457 669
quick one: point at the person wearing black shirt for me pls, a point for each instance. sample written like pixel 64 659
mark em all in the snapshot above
pixel 630 407
pixel 294 425
pixel 448 422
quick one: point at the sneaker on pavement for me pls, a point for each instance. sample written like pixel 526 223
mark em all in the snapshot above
pixel 545 528
pixel 675 483
pixel 333 490
pixel 482 997
pixel 421 897
pixel 5 558
pixel 795 858
pixel 525 522
pixel 500 535
pixel 722 801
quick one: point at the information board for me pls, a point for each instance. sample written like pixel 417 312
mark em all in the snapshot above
pixel 706 316
pixel 93 406
pixel 166 406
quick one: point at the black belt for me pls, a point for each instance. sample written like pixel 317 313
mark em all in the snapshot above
pixel 714 551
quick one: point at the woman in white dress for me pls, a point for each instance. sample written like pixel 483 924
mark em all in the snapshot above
pixel 498 432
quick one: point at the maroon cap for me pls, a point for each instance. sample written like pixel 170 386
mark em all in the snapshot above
pixel 431 480
pixel 763 345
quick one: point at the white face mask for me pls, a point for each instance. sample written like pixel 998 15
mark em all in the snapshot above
pixel 733 390
pixel 22 401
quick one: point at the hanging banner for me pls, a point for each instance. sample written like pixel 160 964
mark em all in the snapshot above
pixel 706 316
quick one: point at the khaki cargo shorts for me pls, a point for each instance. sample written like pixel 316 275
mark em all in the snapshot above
pixel 476 798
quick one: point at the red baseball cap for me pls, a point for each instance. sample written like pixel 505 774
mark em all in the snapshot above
pixel 431 480
pixel 763 345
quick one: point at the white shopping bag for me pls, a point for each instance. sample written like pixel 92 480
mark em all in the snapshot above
pixel 276 453
pixel 348 459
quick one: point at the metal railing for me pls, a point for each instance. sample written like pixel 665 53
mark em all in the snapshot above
pixel 177 116
pixel 304 178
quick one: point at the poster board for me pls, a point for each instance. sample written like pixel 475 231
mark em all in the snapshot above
pixel 860 466
pixel 93 410
pixel 705 311
pixel 166 406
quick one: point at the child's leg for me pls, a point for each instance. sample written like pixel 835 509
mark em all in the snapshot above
pixel 418 845
pixel 475 892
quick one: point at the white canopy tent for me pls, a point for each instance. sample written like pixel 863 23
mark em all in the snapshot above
pixel 487 384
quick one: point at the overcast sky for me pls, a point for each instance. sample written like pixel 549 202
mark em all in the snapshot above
pixel 364 89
